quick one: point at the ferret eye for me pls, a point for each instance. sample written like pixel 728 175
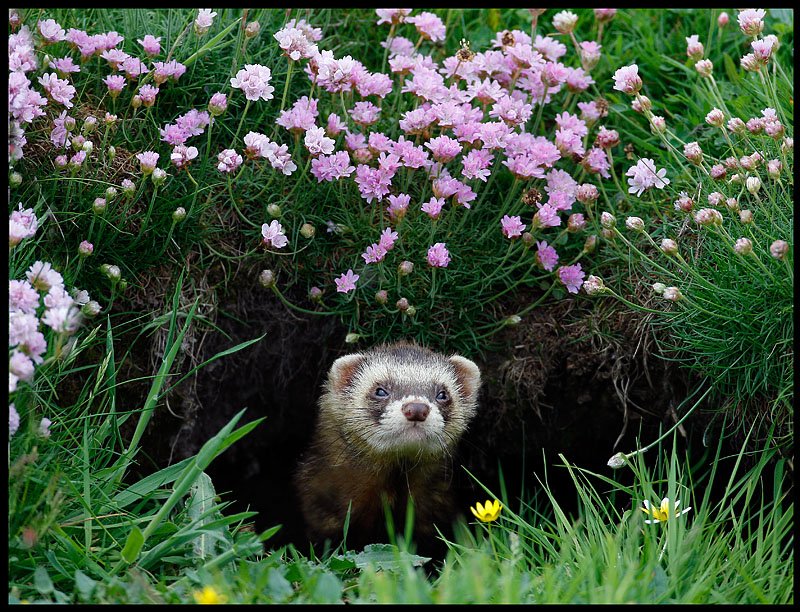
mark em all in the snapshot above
pixel 381 392
pixel 441 396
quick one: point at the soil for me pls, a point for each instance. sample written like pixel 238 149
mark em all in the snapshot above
pixel 573 380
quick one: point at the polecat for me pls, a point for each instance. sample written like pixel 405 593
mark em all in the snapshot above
pixel 388 424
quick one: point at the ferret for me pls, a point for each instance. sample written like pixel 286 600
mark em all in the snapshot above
pixel 388 424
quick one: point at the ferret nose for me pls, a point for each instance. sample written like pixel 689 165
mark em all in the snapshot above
pixel 416 411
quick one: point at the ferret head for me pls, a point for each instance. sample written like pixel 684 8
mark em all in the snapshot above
pixel 401 400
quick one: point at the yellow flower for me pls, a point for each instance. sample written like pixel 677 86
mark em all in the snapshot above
pixel 208 595
pixel 487 513
pixel 662 513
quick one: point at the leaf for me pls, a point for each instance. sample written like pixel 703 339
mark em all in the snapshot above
pixel 730 68
pixel 658 584
pixel 385 557
pixel 84 585
pixel 268 533
pixel 327 589
pixel 201 500
pixel 42 582
pixel 133 545
pixel 278 588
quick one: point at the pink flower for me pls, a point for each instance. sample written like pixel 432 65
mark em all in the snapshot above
pixel 273 235
pixel 429 26
pixel 43 277
pixel 332 167
pixel 433 207
pixel 182 155
pixel 438 255
pixel 51 31
pixel 577 80
pixel 346 282
pixel 313 34
pixel 596 162
pixel 301 117
pixel 751 21
pixel 571 276
pixel 148 94
pixel 335 125
pixel 22 297
pixel 203 21
pixel 398 204
pixel 590 54
pixel 147 161
pixel 512 226
pixel 512 111
pixel 58 89
pixel 546 216
pixel 167 70
pixel 64 66
pixel 373 183
pixel 150 44
pixel 253 80
pixel 546 255
pixel 476 164
pixel 115 83
pixel 644 175
pixel 392 16
pixel 317 143
pixel 388 238
pixel 218 104
pixel 114 57
pixel 229 160
pixel 365 113
pixel 134 67
pixel 627 80
pixel 279 157
pixel 443 148
pixel 21 366
pixel 694 48
pixel 374 253
pixel 295 44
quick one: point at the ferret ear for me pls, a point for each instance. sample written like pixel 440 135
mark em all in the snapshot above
pixel 468 375
pixel 343 370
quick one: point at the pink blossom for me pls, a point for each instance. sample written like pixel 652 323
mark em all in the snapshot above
pixel 590 54
pixel 577 80
pixel 115 83
pixel 512 226
pixel 346 282
pixel 590 113
pixel 549 47
pixel 398 45
pixel 218 104
pixel 416 121
pixel 392 16
pixel 295 43
pixel 398 205
pixel 21 366
pixel 317 143
pixel 22 297
pixel 476 164
pixel 148 94
pixel 50 30
pixel 133 67
pixel 279 157
pixel 438 255
pixel 42 276
pixel 546 255
pixel 114 57
pixel 694 48
pixel 273 235
pixel 512 111
pixel 204 20
pixel 64 66
pixel 751 21
pixel 596 162
pixel 313 34
pixel 365 113
pixel 335 125
pixel 627 80
pixel 374 84
pixel 374 253
pixel 388 238
pixel 378 142
pixel 433 207
pixel 429 26
pixel 253 80
pixel 444 148
pixel 254 144
pixel 546 216
pixel 571 276
pixel 332 167
pixel 59 90
pixel 426 84
pixel 150 44
pixel 147 161
pixel 167 70
pixel 372 183
pixel 644 175
pixel 181 155
pixel 301 117
pixel 229 160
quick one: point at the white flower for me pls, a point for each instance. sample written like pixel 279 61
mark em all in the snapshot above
pixel 664 512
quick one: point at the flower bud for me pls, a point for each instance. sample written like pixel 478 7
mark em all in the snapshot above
pixel 658 124
pixel 252 29
pixel 746 216
pixel 587 193
pixel 89 124
pixel 774 167
pixel 715 198
pixel 608 234
pixel 274 210
pixel 112 272
pixel 15 180
pixel 381 296
pixel 307 230
pixel 593 285
pixel 128 188
pixel 732 204
pixel 669 246
pixel 527 239
pixel 737 126
pixel 512 320
pixel 634 223
pixel 693 153
pixel 218 104
pixel 69 123
pixel 88 147
pixel 411 311
pixel 658 288
pixel 753 184
pixel 684 202
pixel 641 104
pixel 718 172
pixel 402 304
pixel 315 294
pixel 743 246
pixel 778 249
pixel 85 248
pixel 136 101
pixel 590 243
pixel 704 67
pixel 267 279
pixel 110 119
pixel 575 222
pixel 158 176
pixel 61 161
pixel 607 220
pixel 99 206
pixel 716 118
pixel 111 152
pixel 673 294
pixel 708 216
pixel 617 461
pixel 91 308
pixel 351 338
pixel 564 22
pixel 405 268
pixel 179 214
pixel 787 145
pixel 723 19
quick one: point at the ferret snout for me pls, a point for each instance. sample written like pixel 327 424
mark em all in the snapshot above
pixel 416 411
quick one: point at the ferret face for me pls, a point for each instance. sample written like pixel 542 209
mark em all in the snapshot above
pixel 402 400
